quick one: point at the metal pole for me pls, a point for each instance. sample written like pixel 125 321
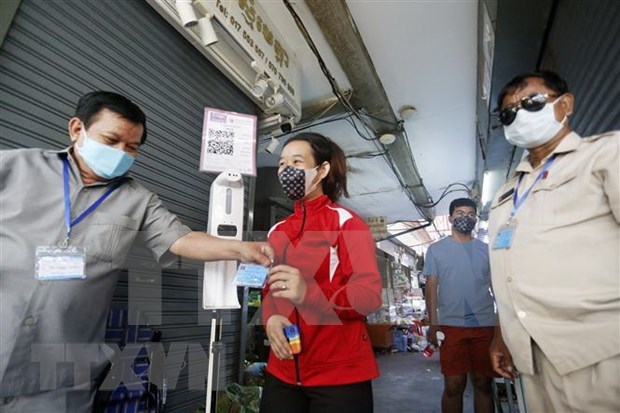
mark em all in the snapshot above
pixel 211 359
pixel 244 333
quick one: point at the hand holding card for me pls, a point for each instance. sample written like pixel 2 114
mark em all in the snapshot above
pixel 251 275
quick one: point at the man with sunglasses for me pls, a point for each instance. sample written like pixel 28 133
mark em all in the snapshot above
pixel 554 233
pixel 460 304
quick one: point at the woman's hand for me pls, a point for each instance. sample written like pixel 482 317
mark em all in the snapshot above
pixel 275 332
pixel 287 282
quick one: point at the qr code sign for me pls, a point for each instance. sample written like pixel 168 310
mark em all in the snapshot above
pixel 221 142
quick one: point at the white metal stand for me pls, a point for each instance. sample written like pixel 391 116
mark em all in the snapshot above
pixel 226 204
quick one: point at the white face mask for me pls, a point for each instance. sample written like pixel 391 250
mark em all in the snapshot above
pixel 532 129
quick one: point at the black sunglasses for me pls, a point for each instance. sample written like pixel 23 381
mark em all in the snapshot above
pixel 531 103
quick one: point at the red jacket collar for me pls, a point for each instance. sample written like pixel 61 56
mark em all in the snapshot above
pixel 311 206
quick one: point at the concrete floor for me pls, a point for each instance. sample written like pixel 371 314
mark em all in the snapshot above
pixel 411 383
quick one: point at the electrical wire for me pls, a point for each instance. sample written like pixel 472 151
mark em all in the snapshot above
pixel 396 125
pixel 420 244
pixel 301 128
pixel 426 224
pixel 366 155
pixel 363 136
pixel 344 101
pixel 446 192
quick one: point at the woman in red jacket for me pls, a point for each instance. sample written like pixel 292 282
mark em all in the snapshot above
pixel 325 281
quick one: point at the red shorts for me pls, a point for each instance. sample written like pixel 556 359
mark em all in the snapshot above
pixel 466 349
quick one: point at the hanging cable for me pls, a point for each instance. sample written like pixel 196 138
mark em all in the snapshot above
pixel 398 234
pixel 332 81
pixel 396 125
pixel 345 102
pixel 366 155
pixel 301 128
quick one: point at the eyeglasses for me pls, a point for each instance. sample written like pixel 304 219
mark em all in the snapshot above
pixel 531 103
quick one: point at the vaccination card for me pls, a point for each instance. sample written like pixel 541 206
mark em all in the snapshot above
pixel 251 275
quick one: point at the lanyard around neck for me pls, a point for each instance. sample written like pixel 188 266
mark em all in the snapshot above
pixel 70 224
pixel 516 201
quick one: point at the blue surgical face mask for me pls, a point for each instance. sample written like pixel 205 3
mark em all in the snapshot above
pixel 105 161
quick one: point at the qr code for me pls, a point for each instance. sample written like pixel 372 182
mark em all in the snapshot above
pixel 221 142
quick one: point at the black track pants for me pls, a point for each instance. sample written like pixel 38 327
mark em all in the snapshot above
pixel 280 397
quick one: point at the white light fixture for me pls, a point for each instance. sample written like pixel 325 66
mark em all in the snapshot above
pixel 406 112
pixel 260 86
pixel 490 184
pixel 206 31
pixel 273 145
pixel 187 14
pixel 274 100
pixel 387 139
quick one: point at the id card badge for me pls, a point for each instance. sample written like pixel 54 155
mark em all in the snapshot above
pixel 53 263
pixel 251 275
pixel 503 239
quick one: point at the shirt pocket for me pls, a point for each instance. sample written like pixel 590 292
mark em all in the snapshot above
pixel 499 212
pixel 553 183
pixel 502 197
pixel 502 205
pixel 558 197
pixel 111 237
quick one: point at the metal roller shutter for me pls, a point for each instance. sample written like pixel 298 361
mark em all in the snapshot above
pixel 54 52
pixel 583 48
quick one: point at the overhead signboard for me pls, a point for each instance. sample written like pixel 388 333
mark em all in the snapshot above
pixel 252 29
pixel 378 227
pixel 247 48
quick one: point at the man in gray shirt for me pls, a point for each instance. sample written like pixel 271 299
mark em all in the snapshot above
pixel 67 221
pixel 460 305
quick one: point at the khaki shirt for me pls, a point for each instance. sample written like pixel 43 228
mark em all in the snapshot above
pixel 65 312
pixel 559 283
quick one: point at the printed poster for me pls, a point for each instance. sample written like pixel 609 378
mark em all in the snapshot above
pixel 228 142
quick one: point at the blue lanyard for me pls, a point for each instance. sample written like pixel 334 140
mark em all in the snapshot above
pixel 70 224
pixel 516 201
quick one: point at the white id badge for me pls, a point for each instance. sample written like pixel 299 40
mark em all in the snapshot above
pixel 503 239
pixel 251 275
pixel 53 263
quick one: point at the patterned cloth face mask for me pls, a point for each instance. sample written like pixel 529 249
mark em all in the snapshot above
pixel 297 183
pixel 464 224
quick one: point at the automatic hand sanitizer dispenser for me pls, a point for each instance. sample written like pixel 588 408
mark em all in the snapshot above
pixel 225 221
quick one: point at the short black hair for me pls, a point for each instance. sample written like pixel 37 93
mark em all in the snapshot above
pixel 459 202
pixel 326 150
pixel 91 104
pixel 551 80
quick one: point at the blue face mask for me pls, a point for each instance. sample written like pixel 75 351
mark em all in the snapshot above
pixel 107 162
